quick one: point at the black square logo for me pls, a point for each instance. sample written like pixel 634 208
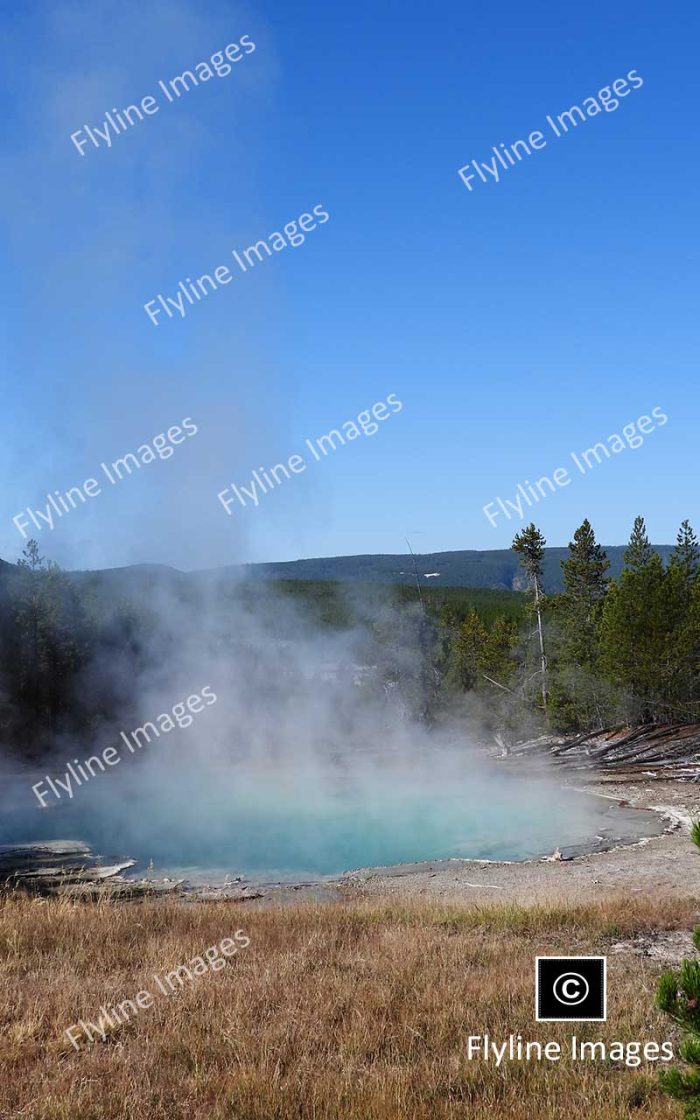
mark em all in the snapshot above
pixel 570 989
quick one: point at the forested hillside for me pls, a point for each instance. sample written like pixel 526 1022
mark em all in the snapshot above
pixel 496 568
pixel 493 570
pixel 605 649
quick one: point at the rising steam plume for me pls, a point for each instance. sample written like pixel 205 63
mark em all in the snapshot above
pixel 310 761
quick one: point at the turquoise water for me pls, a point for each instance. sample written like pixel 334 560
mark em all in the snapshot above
pixel 300 821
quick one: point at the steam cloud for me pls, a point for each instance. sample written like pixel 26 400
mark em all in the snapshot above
pixel 309 762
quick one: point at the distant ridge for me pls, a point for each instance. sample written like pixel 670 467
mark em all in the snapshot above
pixel 497 568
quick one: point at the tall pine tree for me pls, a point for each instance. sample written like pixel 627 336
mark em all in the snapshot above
pixel 682 657
pixel 577 697
pixel 634 628
pixel 585 584
pixel 530 546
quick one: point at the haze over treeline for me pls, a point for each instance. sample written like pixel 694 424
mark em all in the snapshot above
pixel 76 648
pixel 490 568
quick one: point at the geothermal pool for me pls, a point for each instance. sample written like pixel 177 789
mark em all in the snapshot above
pixel 283 822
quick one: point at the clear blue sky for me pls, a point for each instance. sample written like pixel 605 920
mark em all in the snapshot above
pixel 517 322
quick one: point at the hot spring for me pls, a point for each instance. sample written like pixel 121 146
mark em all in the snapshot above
pixel 283 821
pixel 312 761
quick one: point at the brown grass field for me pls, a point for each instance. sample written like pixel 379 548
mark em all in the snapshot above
pixel 358 1010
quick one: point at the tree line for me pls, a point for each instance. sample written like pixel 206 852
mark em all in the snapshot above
pixel 66 662
pixel 601 652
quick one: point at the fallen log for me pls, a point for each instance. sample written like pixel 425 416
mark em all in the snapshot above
pixel 673 748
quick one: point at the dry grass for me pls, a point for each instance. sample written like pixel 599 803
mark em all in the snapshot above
pixel 356 1011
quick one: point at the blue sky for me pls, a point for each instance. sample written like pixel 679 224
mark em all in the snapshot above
pixel 517 322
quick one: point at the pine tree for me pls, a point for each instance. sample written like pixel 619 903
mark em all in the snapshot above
pixel 585 584
pixel 48 647
pixel 36 616
pixel 478 652
pixel 578 698
pixel 678 994
pixel 686 553
pixel 634 628
pixel 530 545
pixel 463 672
pixel 497 659
pixel 682 658
pixel 639 551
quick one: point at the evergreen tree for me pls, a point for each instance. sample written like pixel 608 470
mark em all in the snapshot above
pixel 479 652
pixel 37 612
pixel 686 554
pixel 467 649
pixel 530 546
pixel 682 657
pixel 634 628
pixel 585 584
pixel 48 646
pixel 578 698
pixel 497 660
pixel 639 551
